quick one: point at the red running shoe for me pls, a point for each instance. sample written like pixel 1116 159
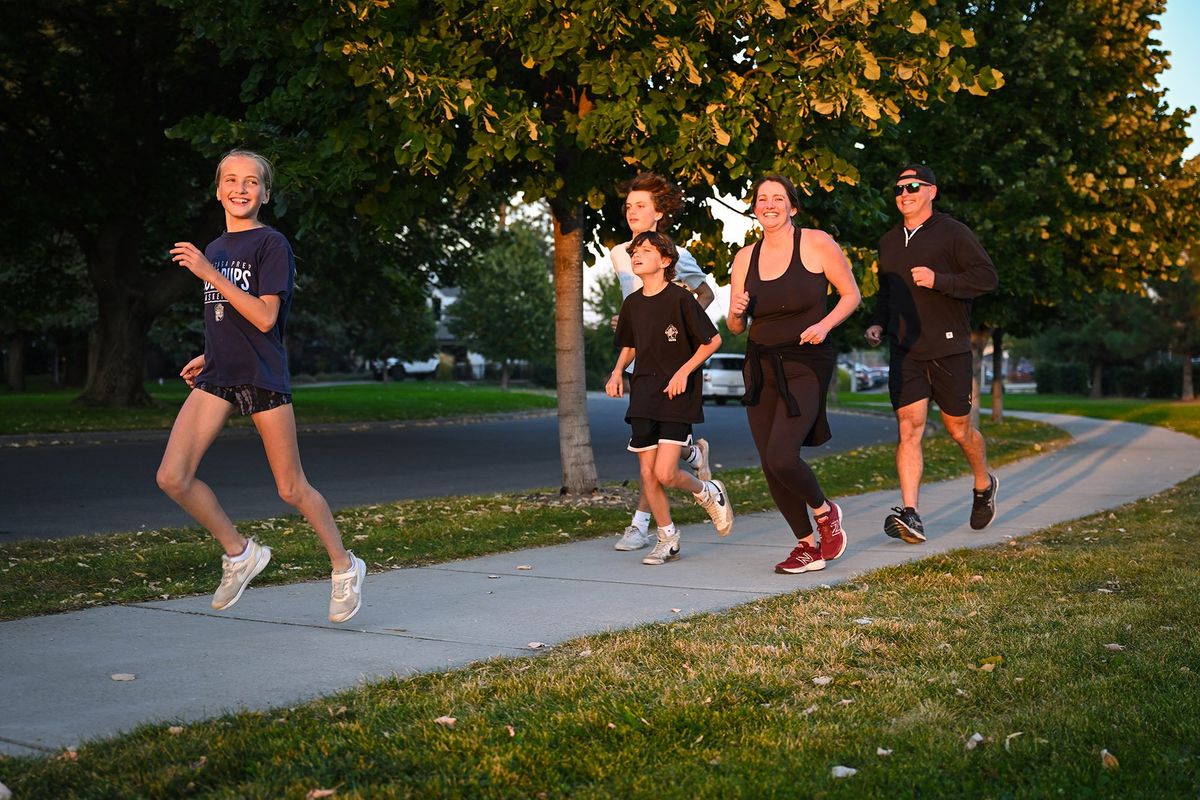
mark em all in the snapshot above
pixel 805 558
pixel 833 538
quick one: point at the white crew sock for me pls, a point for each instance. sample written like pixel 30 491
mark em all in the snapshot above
pixel 693 455
pixel 242 556
pixel 708 491
pixel 641 521
pixel 670 530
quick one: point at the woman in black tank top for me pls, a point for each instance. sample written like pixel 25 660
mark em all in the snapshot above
pixel 779 289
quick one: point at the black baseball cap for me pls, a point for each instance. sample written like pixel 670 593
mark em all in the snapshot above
pixel 920 172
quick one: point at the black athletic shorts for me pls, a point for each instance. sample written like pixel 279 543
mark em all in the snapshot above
pixel 946 380
pixel 648 433
pixel 247 399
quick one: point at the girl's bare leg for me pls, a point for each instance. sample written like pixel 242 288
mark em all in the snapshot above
pixel 277 428
pixel 199 422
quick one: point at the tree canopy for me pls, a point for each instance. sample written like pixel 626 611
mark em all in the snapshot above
pixel 505 310
pixel 398 102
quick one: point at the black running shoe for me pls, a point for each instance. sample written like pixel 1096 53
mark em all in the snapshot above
pixel 904 524
pixel 983 507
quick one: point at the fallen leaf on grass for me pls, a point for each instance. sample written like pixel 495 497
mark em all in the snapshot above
pixel 974 741
pixel 123 676
pixel 864 620
pixel 845 702
pixel 1012 736
pixel 612 726
pixel 511 731
pixel 317 794
pixel 976 578
pixel 822 680
pixel 808 710
pixel 175 730
pixel 882 751
pixel 447 721
pixel 1108 760
pixel 843 772
pixel 1114 646
pixel 584 653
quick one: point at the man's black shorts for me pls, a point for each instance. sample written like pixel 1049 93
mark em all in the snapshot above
pixel 648 433
pixel 947 380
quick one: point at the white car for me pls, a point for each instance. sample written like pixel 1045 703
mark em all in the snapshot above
pixel 723 377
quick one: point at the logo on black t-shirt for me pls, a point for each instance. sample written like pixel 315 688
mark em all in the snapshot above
pixel 672 333
pixel 219 311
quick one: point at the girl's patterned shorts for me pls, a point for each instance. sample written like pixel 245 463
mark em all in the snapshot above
pixel 247 399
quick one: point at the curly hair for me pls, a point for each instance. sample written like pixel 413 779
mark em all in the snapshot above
pixel 667 197
pixel 663 244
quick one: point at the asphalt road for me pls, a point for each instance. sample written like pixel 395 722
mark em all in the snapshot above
pixel 52 491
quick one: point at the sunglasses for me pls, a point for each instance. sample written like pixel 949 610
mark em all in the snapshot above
pixel 911 188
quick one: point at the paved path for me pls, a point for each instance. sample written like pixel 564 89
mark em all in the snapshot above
pixel 275 647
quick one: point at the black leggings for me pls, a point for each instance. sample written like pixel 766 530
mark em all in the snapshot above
pixel 778 438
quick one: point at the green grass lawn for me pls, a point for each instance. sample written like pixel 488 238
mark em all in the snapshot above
pixel 1053 648
pixel 56 411
pixel 1172 414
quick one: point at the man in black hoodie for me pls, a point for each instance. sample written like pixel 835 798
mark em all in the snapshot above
pixel 930 268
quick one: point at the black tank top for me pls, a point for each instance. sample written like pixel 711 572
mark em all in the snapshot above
pixel 783 308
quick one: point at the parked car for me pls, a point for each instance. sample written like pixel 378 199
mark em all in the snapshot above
pixel 722 377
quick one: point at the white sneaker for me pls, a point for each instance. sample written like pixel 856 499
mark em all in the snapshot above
pixel 666 550
pixel 346 599
pixel 719 509
pixel 703 465
pixel 634 538
pixel 236 575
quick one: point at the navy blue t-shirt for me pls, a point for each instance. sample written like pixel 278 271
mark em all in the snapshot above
pixel 260 262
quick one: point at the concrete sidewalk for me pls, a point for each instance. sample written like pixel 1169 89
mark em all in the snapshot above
pixel 275 648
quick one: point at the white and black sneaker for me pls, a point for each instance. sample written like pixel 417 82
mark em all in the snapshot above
pixel 666 550
pixel 715 501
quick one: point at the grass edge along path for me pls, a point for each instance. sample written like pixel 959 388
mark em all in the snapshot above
pixel 48 576
pixel 1175 415
pixel 1005 671
pixel 56 412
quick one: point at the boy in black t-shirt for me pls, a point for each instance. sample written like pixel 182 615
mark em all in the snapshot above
pixel 668 333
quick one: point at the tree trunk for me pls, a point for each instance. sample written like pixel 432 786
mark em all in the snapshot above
pixel 574 433
pixel 998 375
pixel 15 369
pixel 119 376
pixel 1097 380
pixel 504 375
pixel 1189 390
pixel 978 340
pixel 128 299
